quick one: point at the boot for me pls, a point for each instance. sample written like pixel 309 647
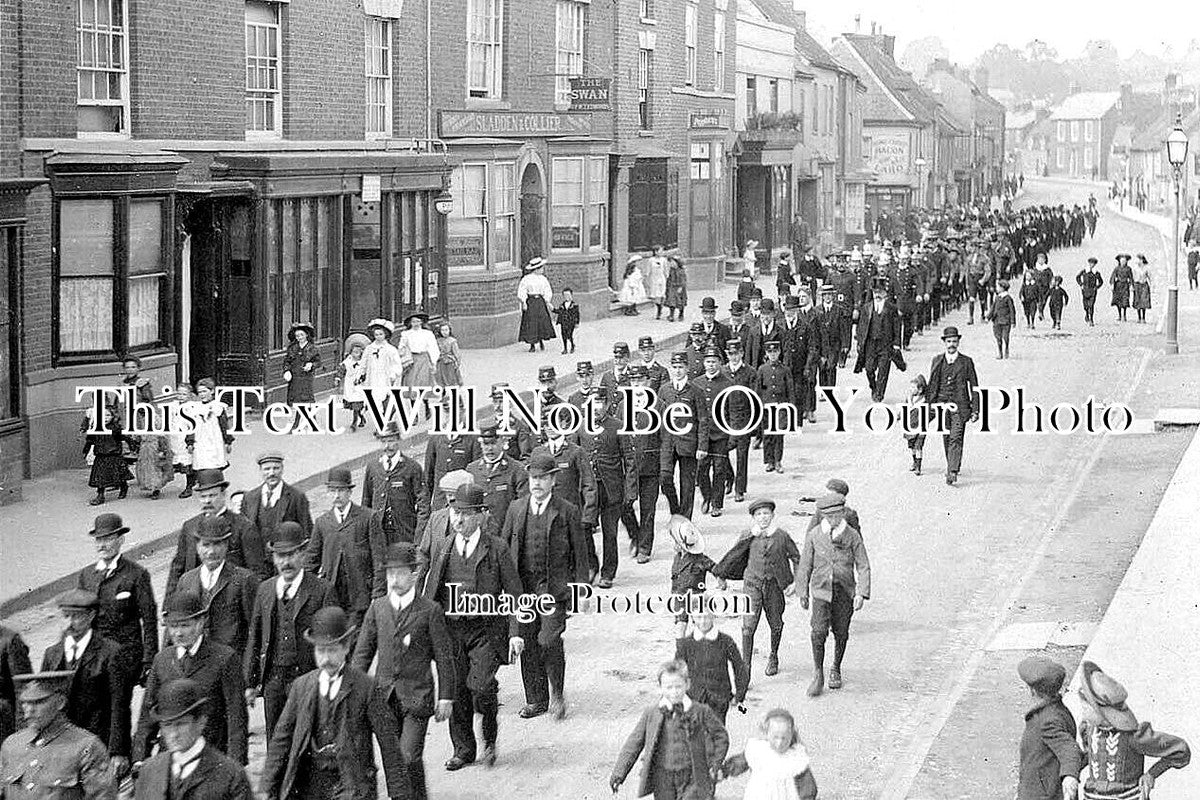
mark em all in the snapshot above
pixel 818 683
pixel 773 660
pixel 917 465
pixel 913 468
pixel 835 674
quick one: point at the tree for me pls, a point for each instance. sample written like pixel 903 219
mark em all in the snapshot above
pixel 921 53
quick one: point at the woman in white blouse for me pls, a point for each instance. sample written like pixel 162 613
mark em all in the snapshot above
pixel 534 293
pixel 384 366
pixel 422 345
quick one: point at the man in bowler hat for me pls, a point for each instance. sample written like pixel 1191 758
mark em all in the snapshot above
pixel 952 379
pixel 340 549
pixel 189 767
pixel 1050 760
pixel 226 589
pixel 878 336
pixel 408 634
pixel 480 565
pixel 322 746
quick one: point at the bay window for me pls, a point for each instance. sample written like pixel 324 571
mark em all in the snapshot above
pixel 579 208
pixel 597 201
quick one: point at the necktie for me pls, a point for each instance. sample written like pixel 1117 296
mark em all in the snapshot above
pixel 677 710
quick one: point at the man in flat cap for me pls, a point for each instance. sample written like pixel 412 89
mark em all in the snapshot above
pixel 502 479
pixel 680 449
pixel 226 589
pixel 189 767
pixel 212 665
pixel 1050 759
pixel 340 549
pixel 127 612
pixel 276 653
pixel 322 748
pixel 275 501
pixel 50 758
pixel 95 696
pixel 14 660
pixel 835 576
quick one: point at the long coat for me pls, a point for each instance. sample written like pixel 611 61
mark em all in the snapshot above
pixel 421 631
pixel 292 506
pixel 495 574
pixel 128 614
pixel 313 595
pixel 300 387
pixel 1048 751
pixel 230 606
pixel 215 667
pixel 709 743
pixel 216 777
pixel 358 713
pixel 565 536
pixel 341 555
pixel 502 483
pixel 96 699
pixel 402 489
pixel 247 548
pixel 693 398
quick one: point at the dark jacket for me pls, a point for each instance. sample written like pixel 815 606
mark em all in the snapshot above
pixel 710 389
pixel 779 559
pixel 564 550
pixel 215 667
pixel 341 556
pixel 1048 751
pixel 877 331
pixel 96 700
pixel 247 548
pixel 442 456
pixel 313 595
pixel 709 744
pixel 692 397
pixel 1003 311
pixel 709 664
pixel 501 483
pixel 739 407
pixel 953 383
pixel 495 574
pixel 14 660
pixel 216 777
pixel 1089 282
pixel 128 614
pixel 401 489
pixel 359 711
pixel 230 606
pixel 608 454
pixel 575 482
pixel 292 506
pixel 410 682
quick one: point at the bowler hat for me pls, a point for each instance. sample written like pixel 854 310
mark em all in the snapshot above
pixel 391 430
pixel 541 464
pixel 215 528
pixel 330 625
pixel 36 686
pixel 620 348
pixel 401 554
pixel 757 292
pixel 183 606
pixel 210 479
pixel 839 486
pixel 708 304
pixel 1106 696
pixel 679 358
pixel 1093 260
pixel 78 600
pixel 301 326
pixel 339 478
pixel 546 373
pixel 179 698
pixel 1043 674
pixel 831 503
pixel 951 332
pixel 108 525
pixel 767 304
pixel 736 307
pixel 269 457
pixel 287 538
pixel 791 301
pixel 696 327
pixel 584 368
pixel 468 497
pixel 645 341
pixel 761 502
pixel 454 479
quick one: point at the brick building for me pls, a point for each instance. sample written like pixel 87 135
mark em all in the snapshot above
pixel 1084 126
pixel 212 174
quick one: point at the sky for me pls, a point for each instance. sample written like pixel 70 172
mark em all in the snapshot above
pixel 969 28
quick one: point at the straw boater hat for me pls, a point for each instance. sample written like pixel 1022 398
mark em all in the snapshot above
pixel 385 324
pixel 355 339
pixel 685 534
pixel 535 264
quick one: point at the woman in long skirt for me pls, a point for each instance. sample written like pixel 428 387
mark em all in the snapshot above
pixel 656 280
pixel 155 467
pixel 677 295
pixel 210 443
pixel 1141 287
pixel 449 366
pixel 108 460
pixel 534 294
pixel 300 364
pixel 1121 281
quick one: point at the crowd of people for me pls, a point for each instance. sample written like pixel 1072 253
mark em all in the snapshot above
pixel 266 602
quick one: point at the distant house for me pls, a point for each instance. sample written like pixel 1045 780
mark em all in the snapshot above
pixel 1084 126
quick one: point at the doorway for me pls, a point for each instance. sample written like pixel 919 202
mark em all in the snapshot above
pixel 533 203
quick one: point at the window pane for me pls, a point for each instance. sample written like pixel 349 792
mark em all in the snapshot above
pixel 502 240
pixel 144 309
pixel 596 226
pixel 85 314
pixel 568 181
pixel 9 370
pixel 145 237
pixel 86 237
pixel 566 233
pixel 287 213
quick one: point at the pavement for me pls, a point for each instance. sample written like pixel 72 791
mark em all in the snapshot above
pixel 54 515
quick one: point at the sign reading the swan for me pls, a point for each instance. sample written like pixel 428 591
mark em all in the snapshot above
pixel 518 124
pixel 590 94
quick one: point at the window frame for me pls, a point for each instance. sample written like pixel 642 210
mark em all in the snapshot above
pixel 1089 130
pixel 645 89
pixel 691 26
pixel 492 87
pixel 1074 131
pixel 276 131
pixel 1061 131
pixel 1088 161
pixel 556 203
pixel 1058 157
pixel 11 245
pixel 386 50
pixel 123 81
pixel 564 70
pixel 700 161
pixel 491 212
pixel 720 25
pixel 751 95
pixel 120 205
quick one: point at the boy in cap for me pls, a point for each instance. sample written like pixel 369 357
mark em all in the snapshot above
pixel 94 694
pixel 340 549
pixel 501 479
pixel 189 767
pixel 408 633
pixel 36 760
pixel 226 589
pixel 839 486
pixel 835 573
pixel 1050 760
pixel 774 384
pixel 1116 745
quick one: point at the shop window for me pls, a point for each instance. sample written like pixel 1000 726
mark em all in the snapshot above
pixel 304 259
pixel 597 201
pixel 414 271
pixel 10 340
pixel 481 229
pixel 566 227
pixel 701 161
pixel 111 277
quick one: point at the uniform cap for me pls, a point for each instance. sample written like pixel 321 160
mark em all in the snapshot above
pixel 696 327
pixel 838 486
pixel 584 368
pixel 620 348
pixel 679 358
pixel 645 341
pixel 269 457
pixel 36 686
pixel 545 373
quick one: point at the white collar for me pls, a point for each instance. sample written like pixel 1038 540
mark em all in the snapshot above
pixel 291 589
pixel 556 444
pixel 711 636
pixel 390 462
pixel 189 755
pixel 679 384
pixel 402 601
pixel 328 686
pixel 269 494
pixel 832 532
pixel 107 567
pixel 340 514
pixel 665 703
pixel 537 507
pixel 214 575
pixel 70 643
pixel 191 651
pixel 951 357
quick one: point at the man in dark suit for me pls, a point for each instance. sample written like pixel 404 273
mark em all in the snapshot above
pixel 226 589
pixel 128 614
pixel 1050 760
pixel 738 414
pixel 502 479
pixel 213 666
pixel 519 435
pixel 641 479
pixel 95 695
pixel 575 482
pixel 274 501
pixel 283 609
pixel 323 739
pixel 481 566
pixel 712 443
pixel 716 333
pixel 191 767
pixel 680 449
pixel 657 372
pixel 445 453
pixel 878 336
pixel 408 632
pixel 340 549
pixel 618 375
pixel 952 379
pixel 247 548
pixel 801 353
pixel 547 543
pixel 834 327
pixel 394 490
pixel 746 331
pixel 585 373
pixel 14 660
pixel 608 454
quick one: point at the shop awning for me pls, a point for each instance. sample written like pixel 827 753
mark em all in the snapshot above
pixel 218 189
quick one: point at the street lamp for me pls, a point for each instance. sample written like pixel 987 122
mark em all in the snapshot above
pixel 444 202
pixel 1177 150
pixel 920 164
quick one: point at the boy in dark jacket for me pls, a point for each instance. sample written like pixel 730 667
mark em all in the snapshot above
pixel 1003 315
pixel 567 314
pixel 1058 301
pixel 689 566
pixel 711 657
pixel 1050 760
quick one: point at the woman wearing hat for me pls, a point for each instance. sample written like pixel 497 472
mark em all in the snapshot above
pixel 384 366
pixel 534 294
pixel 1141 287
pixel 633 286
pixel 422 346
pixel 300 363
pixel 1121 282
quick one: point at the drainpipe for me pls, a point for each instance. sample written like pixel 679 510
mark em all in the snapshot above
pixel 429 69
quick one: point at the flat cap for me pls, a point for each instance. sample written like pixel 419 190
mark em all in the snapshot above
pixel 839 486
pixel 1043 674
pixel 270 456
pixel 78 600
pixel 761 502
pixel 830 503
pixel 454 479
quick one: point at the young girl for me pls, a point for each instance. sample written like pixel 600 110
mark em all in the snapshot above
pixel 108 464
pixel 1003 315
pixel 677 296
pixel 1029 297
pixel 449 366
pixel 181 457
pixel 633 287
pixel 1141 287
pixel 656 280
pixel 917 400
pixel 210 443
pixel 778 763
pixel 354 373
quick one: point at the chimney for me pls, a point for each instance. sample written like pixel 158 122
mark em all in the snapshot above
pixel 800 14
pixel 888 45
pixel 1126 96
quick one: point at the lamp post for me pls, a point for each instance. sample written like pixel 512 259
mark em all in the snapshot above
pixel 920 163
pixel 1177 149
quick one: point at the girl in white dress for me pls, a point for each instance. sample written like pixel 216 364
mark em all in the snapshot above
pixel 384 367
pixel 210 443
pixel 181 457
pixel 353 369
pixel 422 345
pixel 778 763
pixel 656 280
pixel 633 287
